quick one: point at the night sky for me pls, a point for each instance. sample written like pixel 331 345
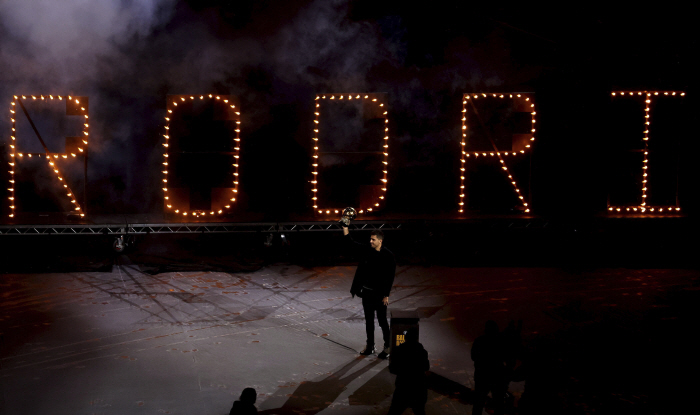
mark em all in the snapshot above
pixel 128 55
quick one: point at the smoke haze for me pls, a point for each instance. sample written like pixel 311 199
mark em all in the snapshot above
pixel 127 55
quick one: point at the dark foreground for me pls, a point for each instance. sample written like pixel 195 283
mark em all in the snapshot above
pixel 111 335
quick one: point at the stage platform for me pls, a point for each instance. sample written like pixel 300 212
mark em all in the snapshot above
pixel 128 342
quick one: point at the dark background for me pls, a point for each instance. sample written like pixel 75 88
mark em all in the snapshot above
pixel 276 56
pixel 128 55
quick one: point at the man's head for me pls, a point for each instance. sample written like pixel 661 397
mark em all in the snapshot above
pixel 375 240
pixel 248 395
pixel 412 335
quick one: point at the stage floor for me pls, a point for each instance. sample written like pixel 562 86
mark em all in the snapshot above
pixel 128 342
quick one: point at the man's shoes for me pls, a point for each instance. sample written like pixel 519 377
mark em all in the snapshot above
pixel 368 350
pixel 384 354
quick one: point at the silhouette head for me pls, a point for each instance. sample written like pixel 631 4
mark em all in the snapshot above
pixel 491 327
pixel 412 335
pixel 249 395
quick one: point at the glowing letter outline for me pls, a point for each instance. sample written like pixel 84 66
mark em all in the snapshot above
pixel 15 155
pixel 528 102
pixel 373 97
pixel 643 207
pixel 172 103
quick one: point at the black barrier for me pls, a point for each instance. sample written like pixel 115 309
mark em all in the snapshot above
pixel 401 322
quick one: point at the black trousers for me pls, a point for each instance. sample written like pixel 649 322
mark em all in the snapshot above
pixel 372 303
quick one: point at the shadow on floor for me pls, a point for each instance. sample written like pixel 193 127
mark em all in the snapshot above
pixel 312 397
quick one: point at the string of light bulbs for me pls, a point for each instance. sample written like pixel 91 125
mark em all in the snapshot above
pixel 373 98
pixel 171 107
pixel 643 206
pixel 17 156
pixel 501 155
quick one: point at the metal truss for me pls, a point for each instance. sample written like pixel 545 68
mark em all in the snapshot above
pixel 201 228
pixel 61 230
pixel 334 226
pixel 187 228
pixel 271 227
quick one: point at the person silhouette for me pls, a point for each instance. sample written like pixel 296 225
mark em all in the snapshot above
pixel 512 353
pixel 489 369
pixel 409 362
pixel 245 405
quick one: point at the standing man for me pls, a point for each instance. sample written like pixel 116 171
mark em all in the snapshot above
pixel 373 280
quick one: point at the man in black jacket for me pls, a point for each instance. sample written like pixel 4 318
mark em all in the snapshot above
pixel 373 280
